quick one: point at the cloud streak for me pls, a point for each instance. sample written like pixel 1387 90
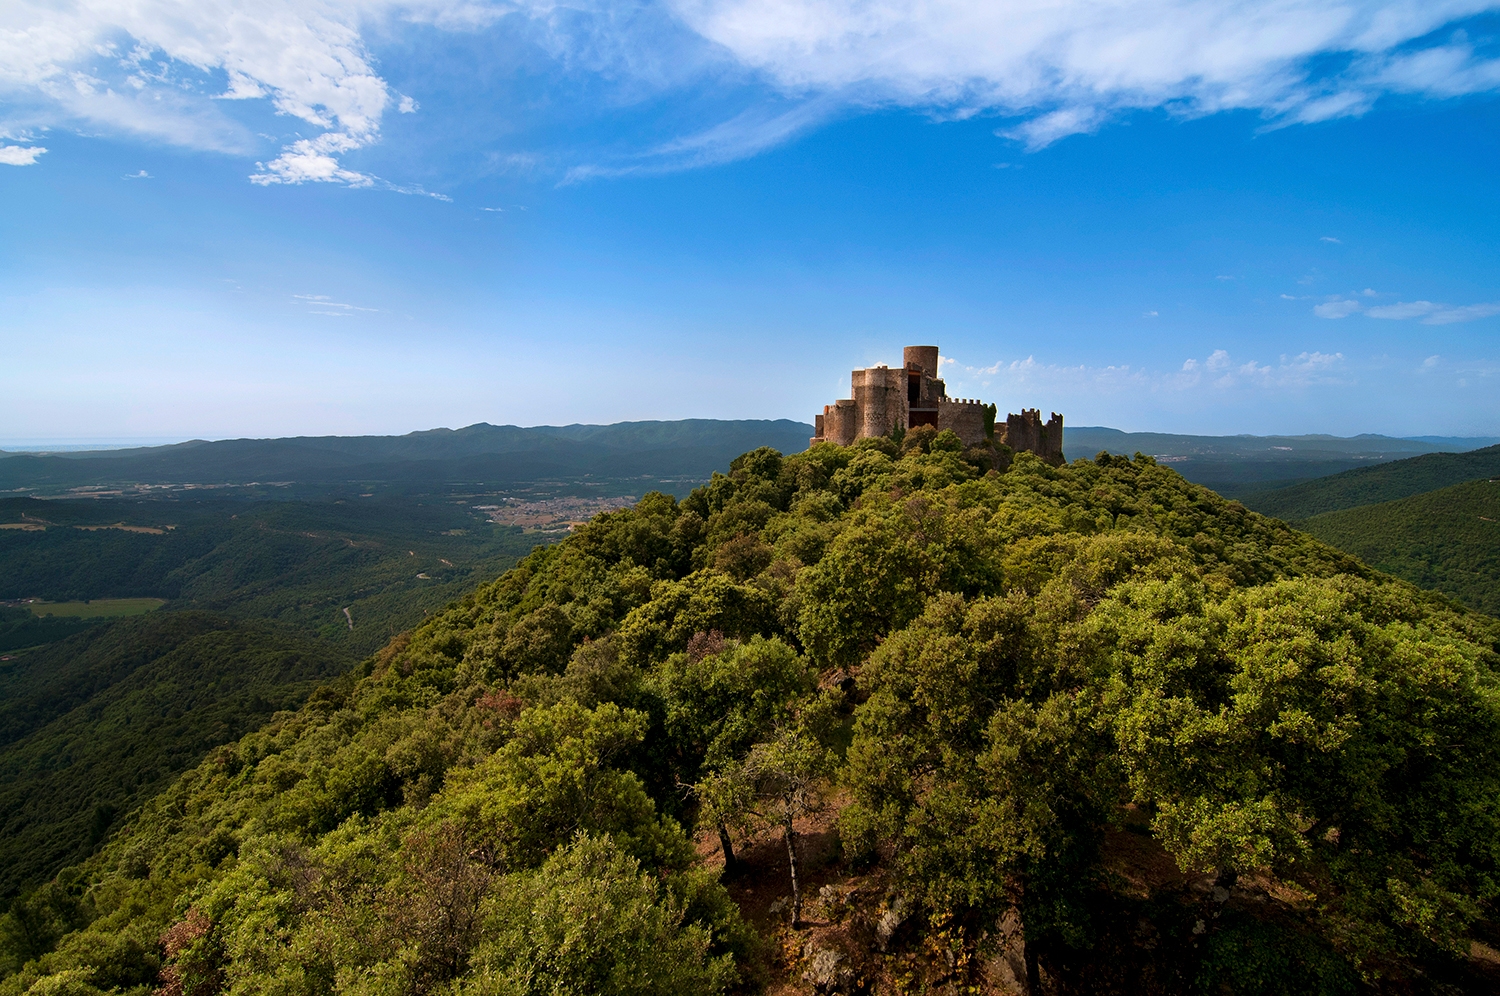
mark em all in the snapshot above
pixel 1218 372
pixel 1426 312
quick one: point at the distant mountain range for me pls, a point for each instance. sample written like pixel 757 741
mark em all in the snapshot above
pixel 688 450
pixel 481 453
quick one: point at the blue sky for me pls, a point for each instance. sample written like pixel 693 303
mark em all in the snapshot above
pixel 268 218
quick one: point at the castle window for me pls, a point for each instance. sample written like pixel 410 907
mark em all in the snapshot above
pixel 913 388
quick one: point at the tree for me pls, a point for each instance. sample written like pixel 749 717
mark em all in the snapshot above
pixel 720 698
pixel 591 922
pixel 778 783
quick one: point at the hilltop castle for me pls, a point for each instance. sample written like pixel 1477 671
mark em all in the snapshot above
pixel 914 395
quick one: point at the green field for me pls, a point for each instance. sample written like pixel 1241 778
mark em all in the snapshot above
pixel 98 608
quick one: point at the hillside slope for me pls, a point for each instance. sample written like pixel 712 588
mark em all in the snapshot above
pixel 1372 485
pixel 1090 725
pixel 1446 540
pixel 95 725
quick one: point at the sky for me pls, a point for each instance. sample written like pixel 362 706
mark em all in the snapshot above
pixel 226 218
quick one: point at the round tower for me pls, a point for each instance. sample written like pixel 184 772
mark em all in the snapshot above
pixel 925 358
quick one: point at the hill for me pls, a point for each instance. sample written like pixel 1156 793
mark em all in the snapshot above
pixel 1241 466
pixel 1372 485
pixel 1446 540
pixel 95 725
pixel 857 718
pixel 428 460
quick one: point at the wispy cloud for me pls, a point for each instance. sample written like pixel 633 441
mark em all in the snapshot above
pixel 322 304
pixel 1337 309
pixel 20 155
pixel 140 175
pixel 157 68
pixel 1427 312
pixel 744 135
pixel 1330 238
pixel 1219 371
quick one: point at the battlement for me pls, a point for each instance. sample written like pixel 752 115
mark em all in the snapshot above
pixel 905 397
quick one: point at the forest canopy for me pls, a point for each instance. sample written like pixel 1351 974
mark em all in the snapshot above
pixel 987 675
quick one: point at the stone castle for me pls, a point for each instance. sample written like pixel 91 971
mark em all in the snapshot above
pixel 885 398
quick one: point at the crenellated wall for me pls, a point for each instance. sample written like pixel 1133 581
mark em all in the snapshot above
pixel 965 417
pixel 1026 433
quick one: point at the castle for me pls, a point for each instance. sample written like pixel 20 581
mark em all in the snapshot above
pixel 885 398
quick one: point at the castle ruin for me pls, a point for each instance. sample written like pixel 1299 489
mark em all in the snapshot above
pixel 887 398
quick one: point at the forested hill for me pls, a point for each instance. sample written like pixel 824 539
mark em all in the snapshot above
pixel 93 726
pixel 1245 465
pixel 493 454
pixel 1447 540
pixel 1087 729
pixel 1382 483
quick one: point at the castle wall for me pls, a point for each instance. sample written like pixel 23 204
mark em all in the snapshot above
pixel 840 422
pixel 1026 433
pixel 964 417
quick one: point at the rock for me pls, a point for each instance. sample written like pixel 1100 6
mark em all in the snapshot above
pixel 890 921
pixel 826 971
pixel 1006 968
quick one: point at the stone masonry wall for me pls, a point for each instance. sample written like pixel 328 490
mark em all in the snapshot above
pixel 880 398
pixel 1026 433
pixel 965 417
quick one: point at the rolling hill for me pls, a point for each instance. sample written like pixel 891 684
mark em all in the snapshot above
pixel 1373 485
pixel 1447 540
pixel 94 725
pixel 1239 466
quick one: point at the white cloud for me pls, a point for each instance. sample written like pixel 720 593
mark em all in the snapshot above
pixel 155 67
pixel 1330 238
pixel 142 175
pixel 168 69
pixel 1066 66
pixel 20 155
pixel 744 135
pixel 1336 309
pixel 322 304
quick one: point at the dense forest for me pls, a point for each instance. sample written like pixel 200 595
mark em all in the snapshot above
pixel 894 717
pixel 95 725
pixel 1447 540
pixel 1373 485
